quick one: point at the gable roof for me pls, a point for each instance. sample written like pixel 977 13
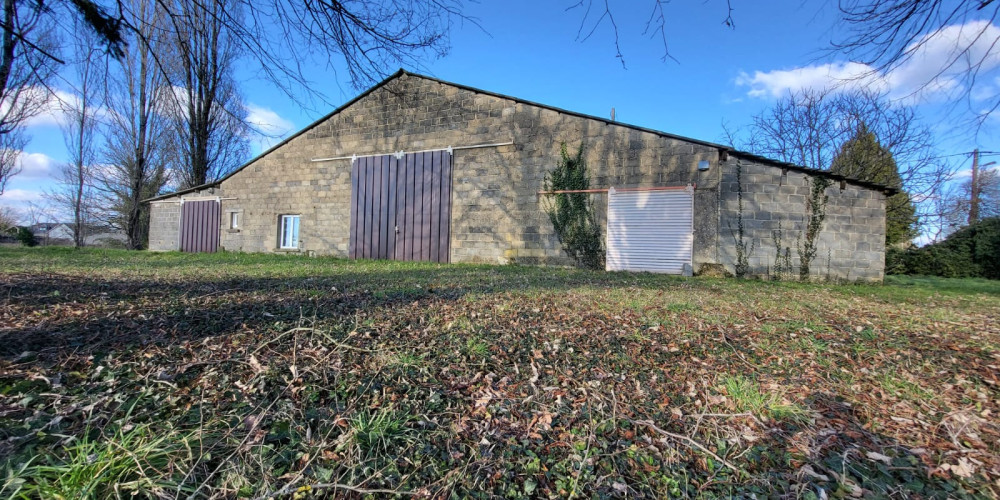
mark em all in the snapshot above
pixel 402 72
pixel 89 226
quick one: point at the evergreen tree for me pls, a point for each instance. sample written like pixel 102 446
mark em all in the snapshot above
pixel 862 157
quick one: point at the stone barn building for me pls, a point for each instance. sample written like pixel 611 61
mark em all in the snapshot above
pixel 416 168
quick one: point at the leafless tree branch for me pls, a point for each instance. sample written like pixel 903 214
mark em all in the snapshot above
pixel 25 70
pixel 655 26
pixel 889 34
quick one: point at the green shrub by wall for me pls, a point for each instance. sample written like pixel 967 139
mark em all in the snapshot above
pixel 970 252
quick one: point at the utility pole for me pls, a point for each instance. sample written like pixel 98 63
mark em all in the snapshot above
pixel 974 191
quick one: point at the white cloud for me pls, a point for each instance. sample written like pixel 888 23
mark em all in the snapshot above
pixel 269 127
pixel 268 121
pixel 36 166
pixel 937 66
pixel 53 110
pixel 986 90
pixel 17 197
pixel 942 57
pixel 967 173
pixel 26 189
pixel 29 205
pixel 819 77
pixel 176 108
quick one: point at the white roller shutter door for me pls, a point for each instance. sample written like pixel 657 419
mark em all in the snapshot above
pixel 650 230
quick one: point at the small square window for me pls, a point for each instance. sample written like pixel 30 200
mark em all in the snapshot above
pixel 289 236
pixel 234 220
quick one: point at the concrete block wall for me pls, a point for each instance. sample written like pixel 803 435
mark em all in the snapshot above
pixel 497 215
pixel 164 225
pixel 851 243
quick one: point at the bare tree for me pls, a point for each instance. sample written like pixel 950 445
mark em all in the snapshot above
pixel 283 37
pixel 370 37
pixel 9 219
pixel 208 113
pixel 959 200
pixel 800 128
pixel 887 34
pixel 810 128
pixel 26 66
pixel 138 137
pixel 74 192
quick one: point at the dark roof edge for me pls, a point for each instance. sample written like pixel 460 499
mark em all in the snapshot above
pixel 814 171
pixel 729 149
pixel 183 191
pixel 401 72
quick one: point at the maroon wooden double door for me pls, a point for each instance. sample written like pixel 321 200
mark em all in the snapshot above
pixel 199 226
pixel 401 207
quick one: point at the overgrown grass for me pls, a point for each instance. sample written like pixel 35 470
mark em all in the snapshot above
pixel 239 376
pixel 142 462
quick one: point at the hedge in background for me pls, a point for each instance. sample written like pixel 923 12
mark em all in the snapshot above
pixel 26 237
pixel 970 252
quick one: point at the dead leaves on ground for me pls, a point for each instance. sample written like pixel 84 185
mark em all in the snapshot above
pixel 501 381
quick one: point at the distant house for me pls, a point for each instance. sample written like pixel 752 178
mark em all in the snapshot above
pixel 417 168
pixel 49 230
pixel 61 233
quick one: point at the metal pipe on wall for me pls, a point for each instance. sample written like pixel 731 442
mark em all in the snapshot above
pixel 399 153
pixel 605 190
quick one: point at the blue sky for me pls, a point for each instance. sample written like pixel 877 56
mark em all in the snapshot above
pixel 531 50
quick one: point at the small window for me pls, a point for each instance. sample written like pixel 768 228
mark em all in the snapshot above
pixel 234 220
pixel 289 231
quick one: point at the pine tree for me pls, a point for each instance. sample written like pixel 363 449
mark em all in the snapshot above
pixel 862 157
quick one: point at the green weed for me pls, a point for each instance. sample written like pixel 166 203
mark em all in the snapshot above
pixel 378 429
pixel 904 388
pixel 129 464
pixel 748 397
pixel 476 347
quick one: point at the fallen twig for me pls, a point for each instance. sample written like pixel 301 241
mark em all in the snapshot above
pixel 287 490
pixel 738 353
pixel 690 442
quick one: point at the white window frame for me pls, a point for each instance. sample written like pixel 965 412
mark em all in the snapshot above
pixel 288 236
pixel 234 220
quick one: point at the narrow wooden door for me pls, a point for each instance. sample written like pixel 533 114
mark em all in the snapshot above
pixel 401 207
pixel 199 229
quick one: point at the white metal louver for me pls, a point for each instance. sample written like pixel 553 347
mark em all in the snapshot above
pixel 650 230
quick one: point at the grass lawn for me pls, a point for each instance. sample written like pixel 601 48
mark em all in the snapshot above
pixel 228 375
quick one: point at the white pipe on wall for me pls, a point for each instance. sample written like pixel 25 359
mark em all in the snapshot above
pixel 401 153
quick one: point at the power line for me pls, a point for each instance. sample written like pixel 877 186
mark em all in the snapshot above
pixel 968 153
pixel 951 155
